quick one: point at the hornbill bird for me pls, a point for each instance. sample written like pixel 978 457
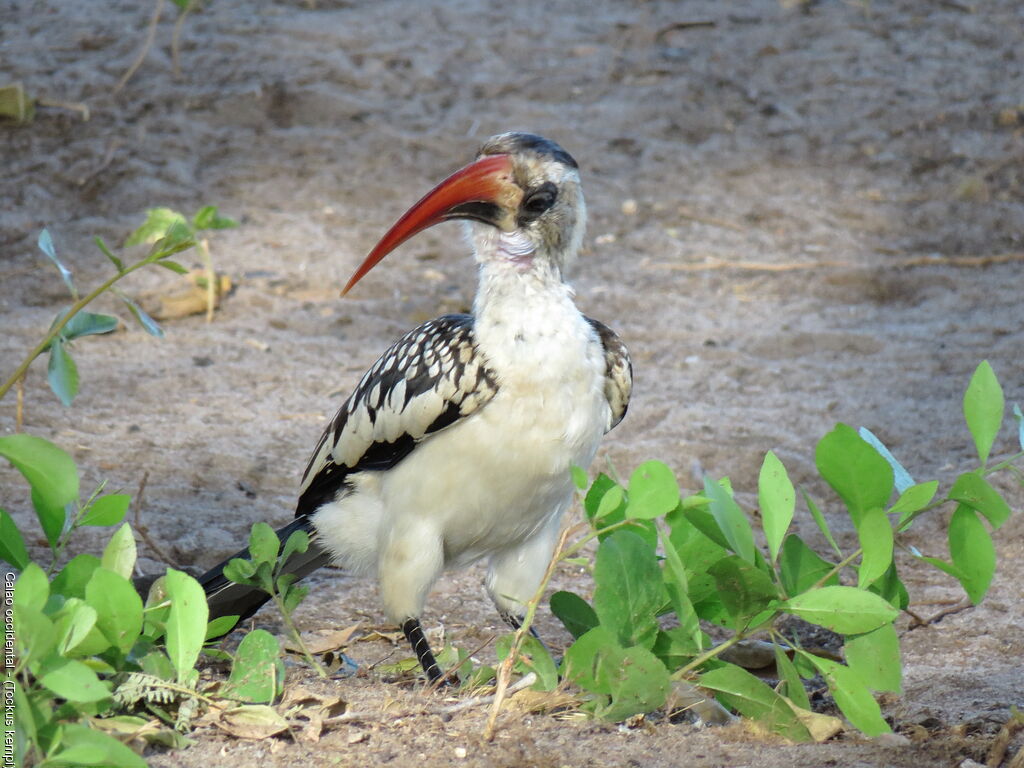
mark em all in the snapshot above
pixel 458 444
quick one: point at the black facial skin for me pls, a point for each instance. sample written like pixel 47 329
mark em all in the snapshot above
pixel 536 202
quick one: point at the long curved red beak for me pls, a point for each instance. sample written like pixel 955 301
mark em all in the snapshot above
pixel 479 191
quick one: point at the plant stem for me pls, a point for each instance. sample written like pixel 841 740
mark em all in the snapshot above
pixel 836 569
pixel 1004 464
pixel 505 670
pixel 77 307
pixel 296 635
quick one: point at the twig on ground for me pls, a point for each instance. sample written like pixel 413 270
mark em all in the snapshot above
pixel 450 674
pixel 176 38
pixel 713 263
pixel 961 606
pixel 150 35
pixel 501 688
pixel 73 106
pixel 142 530
pixel 451 709
pixel 108 158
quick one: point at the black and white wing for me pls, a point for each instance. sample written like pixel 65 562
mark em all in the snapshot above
pixel 428 380
pixel 618 376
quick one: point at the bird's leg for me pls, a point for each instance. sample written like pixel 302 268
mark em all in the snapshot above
pixel 414 634
pixel 516 622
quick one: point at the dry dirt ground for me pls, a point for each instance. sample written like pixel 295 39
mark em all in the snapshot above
pixel 884 136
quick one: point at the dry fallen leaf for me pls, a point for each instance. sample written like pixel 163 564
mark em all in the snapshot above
pixel 321 641
pixel 529 700
pixel 251 721
pixel 184 297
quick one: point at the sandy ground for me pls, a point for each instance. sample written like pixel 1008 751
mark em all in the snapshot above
pixel 871 134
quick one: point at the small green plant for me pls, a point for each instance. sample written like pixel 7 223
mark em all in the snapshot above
pixel 97 669
pixel 265 569
pixel 169 233
pixel 667 567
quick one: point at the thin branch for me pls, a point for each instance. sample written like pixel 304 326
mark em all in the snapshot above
pixel 505 670
pixel 150 35
pixel 391 715
pixel 714 263
pixel 143 530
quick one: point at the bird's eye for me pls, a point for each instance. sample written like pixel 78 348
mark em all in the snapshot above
pixel 539 200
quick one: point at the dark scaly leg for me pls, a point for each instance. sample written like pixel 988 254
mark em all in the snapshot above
pixel 414 634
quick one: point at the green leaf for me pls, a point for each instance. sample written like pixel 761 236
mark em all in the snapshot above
pixel 73 577
pixel 73 680
pixel 220 626
pixel 12 545
pixel 876 539
pixel 118 264
pixel 82 746
pixel 88 324
pixel 207 218
pixel 819 519
pixel 34 634
pixel 173 266
pixel 675 647
pixel 677 585
pixel 579 477
pixel 972 489
pixel 119 554
pixel 107 510
pixel 118 608
pixel 46 246
pixel 636 679
pixel 855 470
pixel 579 665
pixel 240 571
pixel 891 588
pixel 745 591
pixel 972 551
pixel 298 542
pixel 983 409
pixel 738 689
pixel 793 686
pixel 158 222
pixel 186 624
pixel 852 696
pixel 801 568
pixel 730 519
pixel 602 483
pixel 149 325
pixel 574 612
pixel 294 596
pixel 257 674
pixel 263 543
pixel 875 657
pixel 653 491
pixel 901 477
pixel 943 566
pixel 777 499
pixel 610 502
pixel 696 551
pixel 628 592
pixel 73 622
pixel 32 589
pixel 533 657
pixel 846 610
pixel 51 519
pixel 62 373
pixel 913 500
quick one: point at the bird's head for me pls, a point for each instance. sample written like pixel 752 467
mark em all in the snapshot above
pixel 521 196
